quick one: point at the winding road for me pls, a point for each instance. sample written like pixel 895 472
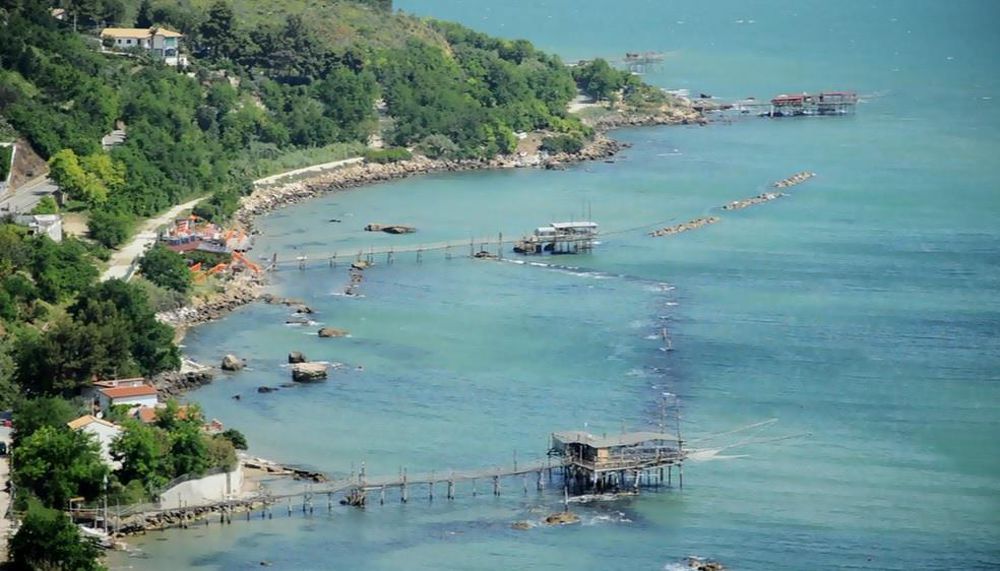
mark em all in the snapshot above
pixel 121 264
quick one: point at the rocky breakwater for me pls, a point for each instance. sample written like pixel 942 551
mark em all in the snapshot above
pixel 690 225
pixel 235 293
pixel 797 178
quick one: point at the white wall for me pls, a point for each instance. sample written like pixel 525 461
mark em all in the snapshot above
pixel 105 435
pixel 209 489
pixel 149 400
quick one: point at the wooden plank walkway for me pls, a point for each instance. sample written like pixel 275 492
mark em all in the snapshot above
pixel 428 479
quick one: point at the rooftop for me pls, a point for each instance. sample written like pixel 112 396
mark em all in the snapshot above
pixel 138 33
pixel 112 383
pixel 87 419
pixel 625 439
pixel 126 392
pixel 567 225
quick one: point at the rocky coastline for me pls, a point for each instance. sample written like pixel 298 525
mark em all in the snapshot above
pixel 247 287
pixel 266 199
pixel 239 291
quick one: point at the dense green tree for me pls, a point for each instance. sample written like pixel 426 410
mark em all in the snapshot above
pixel 47 205
pixel 48 540
pixel 60 270
pixel 598 79
pixel 142 451
pixel 188 450
pixel 165 268
pixel 236 437
pixel 56 464
pixel 32 414
pixel 219 32
pixel 8 370
pixel 220 452
pixel 144 17
pixel 123 309
pixel 110 229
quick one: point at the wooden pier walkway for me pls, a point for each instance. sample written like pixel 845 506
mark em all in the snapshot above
pixel 404 481
pixel 492 245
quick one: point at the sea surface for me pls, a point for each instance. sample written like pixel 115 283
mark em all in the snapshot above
pixel 862 311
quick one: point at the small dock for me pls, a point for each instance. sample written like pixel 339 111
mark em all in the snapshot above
pixel 559 238
pixel 618 463
pixel 822 104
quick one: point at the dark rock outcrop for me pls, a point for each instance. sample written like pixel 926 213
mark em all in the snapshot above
pixel 173 383
pixel 296 357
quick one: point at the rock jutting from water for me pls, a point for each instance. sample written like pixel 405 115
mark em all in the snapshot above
pixel 390 228
pixel 232 363
pixel 309 372
pixel 561 518
pixel 327 332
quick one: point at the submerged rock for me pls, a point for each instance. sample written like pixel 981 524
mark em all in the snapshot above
pixel 521 525
pixel 266 389
pixel 308 372
pixel 561 518
pixel 699 564
pixel 232 363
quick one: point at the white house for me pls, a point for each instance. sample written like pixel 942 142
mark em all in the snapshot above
pixel 141 395
pixel 43 224
pixel 104 432
pixel 161 43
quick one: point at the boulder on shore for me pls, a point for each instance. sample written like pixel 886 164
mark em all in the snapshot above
pixel 296 357
pixel 308 372
pixel 561 518
pixel 232 363
pixel 332 332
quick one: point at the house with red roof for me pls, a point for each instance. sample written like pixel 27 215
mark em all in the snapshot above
pixel 135 395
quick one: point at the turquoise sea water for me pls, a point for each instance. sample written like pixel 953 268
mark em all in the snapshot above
pixel 861 311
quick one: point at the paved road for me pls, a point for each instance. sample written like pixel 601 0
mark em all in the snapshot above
pixel 121 261
pixel 23 199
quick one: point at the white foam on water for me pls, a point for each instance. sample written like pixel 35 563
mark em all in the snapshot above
pixel 617 517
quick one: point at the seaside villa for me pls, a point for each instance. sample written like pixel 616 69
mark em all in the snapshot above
pixel 161 43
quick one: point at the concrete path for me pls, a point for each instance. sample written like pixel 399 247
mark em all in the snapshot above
pixel 306 170
pixel 122 262
pixel 4 497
